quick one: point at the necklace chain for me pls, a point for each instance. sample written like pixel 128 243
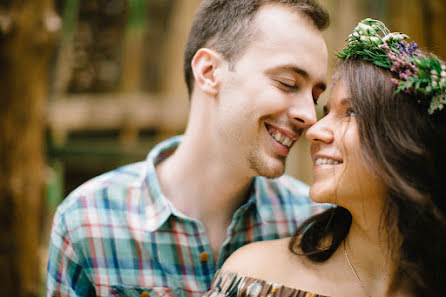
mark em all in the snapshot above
pixel 354 272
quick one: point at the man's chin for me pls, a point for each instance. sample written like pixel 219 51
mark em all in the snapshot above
pixel 271 174
pixel 271 171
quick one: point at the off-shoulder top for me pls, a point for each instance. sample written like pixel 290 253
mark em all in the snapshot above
pixel 230 284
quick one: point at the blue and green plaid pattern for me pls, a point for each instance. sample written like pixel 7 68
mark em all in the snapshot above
pixel 117 235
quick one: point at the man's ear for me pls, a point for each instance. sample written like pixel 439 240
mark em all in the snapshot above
pixel 205 66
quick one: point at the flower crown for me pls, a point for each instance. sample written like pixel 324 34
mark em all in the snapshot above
pixel 414 72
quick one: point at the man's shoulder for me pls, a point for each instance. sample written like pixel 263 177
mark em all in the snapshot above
pixel 112 186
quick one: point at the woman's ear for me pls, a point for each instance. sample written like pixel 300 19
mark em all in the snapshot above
pixel 205 66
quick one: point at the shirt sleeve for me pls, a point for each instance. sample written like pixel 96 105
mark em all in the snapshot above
pixel 65 274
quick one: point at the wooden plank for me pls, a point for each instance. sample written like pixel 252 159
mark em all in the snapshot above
pixel 172 80
pixel 133 46
pixel 115 111
pixel 65 53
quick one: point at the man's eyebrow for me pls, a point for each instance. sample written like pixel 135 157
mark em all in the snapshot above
pixel 305 75
pixel 298 71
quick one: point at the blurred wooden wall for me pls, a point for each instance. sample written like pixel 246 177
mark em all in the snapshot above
pixel 423 20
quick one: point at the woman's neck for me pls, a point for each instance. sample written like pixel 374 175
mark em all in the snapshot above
pixel 372 254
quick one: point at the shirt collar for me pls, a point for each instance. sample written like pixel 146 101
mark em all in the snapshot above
pixel 158 207
pixel 262 196
pixel 265 196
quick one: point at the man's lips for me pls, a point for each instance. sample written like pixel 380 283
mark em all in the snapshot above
pixel 282 136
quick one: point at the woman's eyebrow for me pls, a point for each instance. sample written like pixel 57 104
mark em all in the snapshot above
pixel 346 101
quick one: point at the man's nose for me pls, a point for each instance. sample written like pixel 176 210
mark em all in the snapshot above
pixel 303 111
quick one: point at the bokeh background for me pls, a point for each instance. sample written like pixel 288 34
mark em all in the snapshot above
pixel 89 85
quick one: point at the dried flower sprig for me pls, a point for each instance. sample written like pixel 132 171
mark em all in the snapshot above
pixel 414 72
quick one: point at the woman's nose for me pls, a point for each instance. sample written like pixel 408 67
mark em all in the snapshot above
pixel 320 131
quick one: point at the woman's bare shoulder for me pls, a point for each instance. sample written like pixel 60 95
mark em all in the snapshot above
pixel 261 259
pixel 273 261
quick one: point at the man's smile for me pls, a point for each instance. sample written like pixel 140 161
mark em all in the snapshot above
pixel 283 137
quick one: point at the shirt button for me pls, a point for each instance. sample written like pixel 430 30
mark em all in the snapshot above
pixel 204 257
pixel 145 294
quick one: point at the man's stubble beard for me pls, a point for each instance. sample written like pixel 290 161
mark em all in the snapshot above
pixel 261 167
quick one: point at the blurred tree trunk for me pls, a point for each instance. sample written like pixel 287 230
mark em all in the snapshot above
pixel 27 33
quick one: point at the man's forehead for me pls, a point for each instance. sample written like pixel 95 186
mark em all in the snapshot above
pixel 271 14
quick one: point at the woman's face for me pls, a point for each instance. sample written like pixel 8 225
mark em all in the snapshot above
pixel 339 174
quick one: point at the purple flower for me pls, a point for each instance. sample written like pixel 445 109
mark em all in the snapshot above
pixel 392 56
pixel 402 47
pixel 336 76
pixel 413 49
pixel 395 82
pixel 407 49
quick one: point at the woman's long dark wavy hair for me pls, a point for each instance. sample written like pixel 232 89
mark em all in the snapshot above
pixel 406 148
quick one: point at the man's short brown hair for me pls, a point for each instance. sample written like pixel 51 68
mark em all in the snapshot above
pixel 224 25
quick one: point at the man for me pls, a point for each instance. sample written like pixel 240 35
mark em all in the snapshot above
pixel 163 227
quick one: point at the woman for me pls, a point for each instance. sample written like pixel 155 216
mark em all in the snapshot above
pixel 379 155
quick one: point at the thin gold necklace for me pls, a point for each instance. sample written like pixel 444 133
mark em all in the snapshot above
pixel 354 272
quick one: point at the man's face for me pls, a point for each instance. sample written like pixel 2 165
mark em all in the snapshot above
pixel 267 96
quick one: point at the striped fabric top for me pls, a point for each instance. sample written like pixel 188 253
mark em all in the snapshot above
pixel 118 235
pixel 230 284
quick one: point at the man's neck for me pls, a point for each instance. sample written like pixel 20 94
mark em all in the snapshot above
pixel 200 185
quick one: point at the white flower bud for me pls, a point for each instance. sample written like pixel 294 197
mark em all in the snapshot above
pixel 434 72
pixel 356 34
pixel 365 38
pixel 365 28
pixel 375 40
pixel 428 89
pixel 443 82
pixel 401 36
pixel 443 67
pixel 434 84
pixel 443 74
pixel 396 36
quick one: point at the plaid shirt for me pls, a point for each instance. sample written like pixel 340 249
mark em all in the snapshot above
pixel 118 235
